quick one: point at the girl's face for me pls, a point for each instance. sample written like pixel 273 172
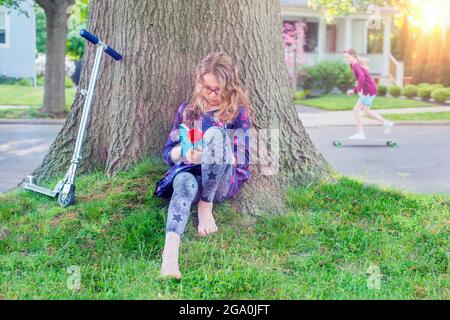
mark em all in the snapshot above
pixel 211 89
pixel 349 58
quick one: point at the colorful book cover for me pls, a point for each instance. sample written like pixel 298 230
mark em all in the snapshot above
pixel 189 138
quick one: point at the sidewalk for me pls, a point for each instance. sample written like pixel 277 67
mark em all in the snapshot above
pixel 319 118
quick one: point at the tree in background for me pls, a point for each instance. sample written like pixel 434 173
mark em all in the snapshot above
pixel 57 13
pixel 77 21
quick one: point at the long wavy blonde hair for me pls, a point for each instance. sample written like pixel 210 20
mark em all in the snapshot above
pixel 362 62
pixel 232 92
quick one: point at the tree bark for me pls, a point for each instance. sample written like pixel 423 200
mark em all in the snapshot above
pixel 136 99
pixel 54 90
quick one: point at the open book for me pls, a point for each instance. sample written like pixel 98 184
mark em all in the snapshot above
pixel 189 138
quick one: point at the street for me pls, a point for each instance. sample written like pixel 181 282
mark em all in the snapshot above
pixel 22 148
pixel 421 163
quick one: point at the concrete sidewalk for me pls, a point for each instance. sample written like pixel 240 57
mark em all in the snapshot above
pixel 314 118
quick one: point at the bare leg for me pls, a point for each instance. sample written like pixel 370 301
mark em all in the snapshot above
pixel 359 120
pixel 374 115
pixel 169 266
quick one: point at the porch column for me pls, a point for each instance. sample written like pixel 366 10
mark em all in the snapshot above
pixel 386 46
pixel 321 38
pixel 347 33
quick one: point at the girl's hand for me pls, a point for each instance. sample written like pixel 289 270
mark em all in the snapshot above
pixel 350 92
pixel 193 156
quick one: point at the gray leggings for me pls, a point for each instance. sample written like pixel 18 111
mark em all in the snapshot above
pixel 212 186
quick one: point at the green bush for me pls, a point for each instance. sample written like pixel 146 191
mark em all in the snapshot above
pixel 16 81
pixel 425 92
pixel 300 95
pixel 68 83
pixel 395 91
pixel 440 95
pixel 327 75
pixel 25 82
pixel 437 86
pixel 382 90
pixel 410 91
pixel 423 85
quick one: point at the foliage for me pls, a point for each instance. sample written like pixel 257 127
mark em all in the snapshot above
pixel 382 90
pixel 440 95
pixel 410 91
pixel 395 91
pixel 326 75
pixel 425 92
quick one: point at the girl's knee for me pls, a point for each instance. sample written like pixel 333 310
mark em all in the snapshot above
pixel 185 182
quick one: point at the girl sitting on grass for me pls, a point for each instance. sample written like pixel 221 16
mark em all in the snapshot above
pixel 367 90
pixel 217 170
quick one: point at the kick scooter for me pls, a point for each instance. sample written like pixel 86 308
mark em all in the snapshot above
pixel 65 189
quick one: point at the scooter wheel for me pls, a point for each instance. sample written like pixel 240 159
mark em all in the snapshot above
pixel 66 200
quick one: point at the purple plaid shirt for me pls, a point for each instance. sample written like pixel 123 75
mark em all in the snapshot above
pixel 241 121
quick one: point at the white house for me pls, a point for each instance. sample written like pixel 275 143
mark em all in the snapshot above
pixel 369 32
pixel 18 42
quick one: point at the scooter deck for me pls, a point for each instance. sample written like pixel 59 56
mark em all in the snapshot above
pixel 339 143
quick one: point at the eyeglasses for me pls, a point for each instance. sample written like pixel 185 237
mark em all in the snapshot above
pixel 209 90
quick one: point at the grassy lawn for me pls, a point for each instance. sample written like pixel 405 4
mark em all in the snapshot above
pixel 321 248
pixel 337 102
pixel 32 113
pixel 15 95
pixel 420 116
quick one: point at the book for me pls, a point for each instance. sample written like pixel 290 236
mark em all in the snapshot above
pixel 189 138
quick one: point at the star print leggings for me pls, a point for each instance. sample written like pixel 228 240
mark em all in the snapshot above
pixel 212 186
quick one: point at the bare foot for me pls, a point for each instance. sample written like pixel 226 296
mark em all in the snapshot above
pixel 169 267
pixel 206 222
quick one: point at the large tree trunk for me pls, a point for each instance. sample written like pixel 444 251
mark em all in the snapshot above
pixel 136 99
pixel 54 91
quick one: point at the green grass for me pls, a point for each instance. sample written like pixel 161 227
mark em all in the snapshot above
pixel 32 113
pixel 338 102
pixel 321 248
pixel 15 95
pixel 420 116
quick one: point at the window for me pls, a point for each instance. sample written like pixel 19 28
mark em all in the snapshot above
pixel 2 28
pixel 311 36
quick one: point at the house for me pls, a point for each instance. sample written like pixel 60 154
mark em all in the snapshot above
pixel 18 42
pixel 369 32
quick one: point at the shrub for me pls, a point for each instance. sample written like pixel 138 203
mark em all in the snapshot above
pixel 327 75
pixel 423 85
pixel 300 95
pixel 395 91
pixel 410 91
pixel 25 82
pixel 68 83
pixel 425 92
pixel 437 86
pixel 382 90
pixel 440 95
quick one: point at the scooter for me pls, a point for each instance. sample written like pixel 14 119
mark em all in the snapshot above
pixel 65 189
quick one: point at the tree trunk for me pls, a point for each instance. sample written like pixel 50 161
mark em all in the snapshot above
pixel 54 91
pixel 136 99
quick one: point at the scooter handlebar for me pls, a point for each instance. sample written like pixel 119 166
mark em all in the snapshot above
pixel 93 39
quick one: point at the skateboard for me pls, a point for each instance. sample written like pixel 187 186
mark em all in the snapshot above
pixel 339 143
